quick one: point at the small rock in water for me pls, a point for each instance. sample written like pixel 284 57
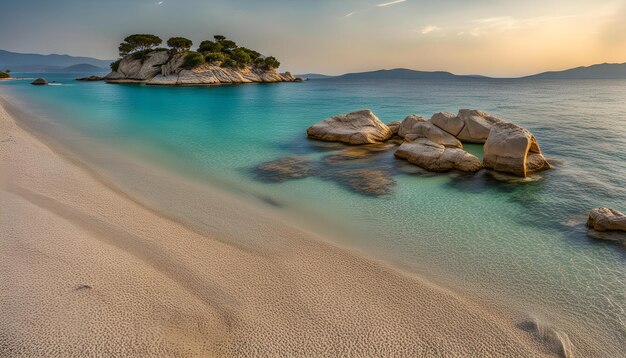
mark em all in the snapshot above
pixel 39 82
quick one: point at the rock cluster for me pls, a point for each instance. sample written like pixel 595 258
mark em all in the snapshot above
pixel 160 68
pixel 436 144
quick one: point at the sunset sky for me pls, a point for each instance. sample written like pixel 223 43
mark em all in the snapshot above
pixel 491 37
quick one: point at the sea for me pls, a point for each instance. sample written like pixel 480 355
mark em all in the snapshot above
pixel 520 245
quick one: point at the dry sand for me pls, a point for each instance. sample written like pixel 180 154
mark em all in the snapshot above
pixel 89 269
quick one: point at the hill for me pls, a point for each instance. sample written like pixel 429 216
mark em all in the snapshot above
pixel 28 62
pixel 83 68
pixel 313 76
pixel 599 71
pixel 404 73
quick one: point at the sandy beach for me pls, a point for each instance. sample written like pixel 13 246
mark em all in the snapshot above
pixel 88 268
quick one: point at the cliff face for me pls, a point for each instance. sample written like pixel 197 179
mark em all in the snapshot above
pixel 159 68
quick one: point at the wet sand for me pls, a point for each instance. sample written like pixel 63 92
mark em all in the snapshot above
pixel 89 268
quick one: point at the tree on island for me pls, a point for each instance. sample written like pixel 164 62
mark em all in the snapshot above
pixel 138 43
pixel 271 62
pixel 5 74
pixel 220 52
pixel 179 44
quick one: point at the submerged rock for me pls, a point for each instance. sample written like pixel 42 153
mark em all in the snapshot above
pixel 361 127
pixel 513 149
pixel 436 157
pixel 374 182
pixel 417 127
pixel 605 219
pixel 39 82
pixel 284 169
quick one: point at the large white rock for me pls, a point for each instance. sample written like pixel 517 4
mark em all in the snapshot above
pixel 605 219
pixel 513 149
pixel 468 126
pixel 436 157
pixel 477 125
pixel 414 126
pixel 448 122
pixel 359 127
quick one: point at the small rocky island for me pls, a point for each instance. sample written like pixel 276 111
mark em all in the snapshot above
pixel 218 61
pixel 436 144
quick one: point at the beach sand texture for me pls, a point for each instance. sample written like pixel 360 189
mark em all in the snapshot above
pixel 87 269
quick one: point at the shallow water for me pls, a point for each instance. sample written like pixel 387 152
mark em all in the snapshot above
pixel 522 246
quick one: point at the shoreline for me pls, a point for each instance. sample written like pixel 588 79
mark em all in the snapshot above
pixel 101 262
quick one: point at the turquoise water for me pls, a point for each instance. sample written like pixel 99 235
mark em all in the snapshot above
pixel 522 246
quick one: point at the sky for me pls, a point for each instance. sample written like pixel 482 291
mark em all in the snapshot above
pixel 489 37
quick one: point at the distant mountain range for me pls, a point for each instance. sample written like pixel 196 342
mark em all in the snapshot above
pixel 28 62
pixel 600 71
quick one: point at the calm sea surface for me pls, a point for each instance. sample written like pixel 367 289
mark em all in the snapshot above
pixel 518 245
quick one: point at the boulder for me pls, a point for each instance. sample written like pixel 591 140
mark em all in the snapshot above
pixel 39 82
pixel 513 149
pixel 436 157
pixel 417 127
pixel 361 127
pixel 476 127
pixel 448 122
pixel 605 219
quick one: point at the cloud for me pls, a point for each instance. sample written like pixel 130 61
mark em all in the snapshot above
pixel 350 14
pixel 391 3
pixel 505 23
pixel 159 3
pixel 430 28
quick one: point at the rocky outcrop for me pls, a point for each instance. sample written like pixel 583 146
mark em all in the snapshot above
pixel 468 126
pixel 160 68
pixel 414 126
pixel 436 157
pixel 605 219
pixel 39 82
pixel 137 68
pixel 371 182
pixel 361 127
pixel 513 149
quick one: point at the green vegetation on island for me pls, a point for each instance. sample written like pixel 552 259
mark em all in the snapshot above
pixel 217 52
pixel 5 74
